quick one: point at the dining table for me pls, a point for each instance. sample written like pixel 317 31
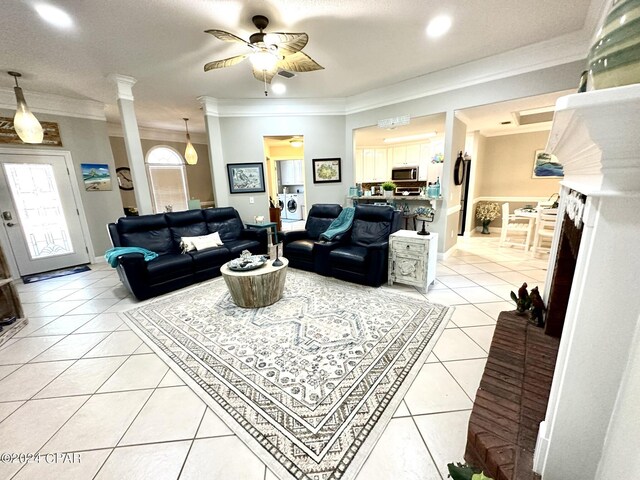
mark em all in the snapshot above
pixel 530 214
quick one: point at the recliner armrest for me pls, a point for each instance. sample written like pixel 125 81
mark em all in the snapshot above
pixel 377 246
pixel 293 235
pixel 257 234
pixel 322 249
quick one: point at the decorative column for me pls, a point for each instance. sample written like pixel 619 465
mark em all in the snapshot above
pixel 591 426
pixel 132 142
pixel 214 140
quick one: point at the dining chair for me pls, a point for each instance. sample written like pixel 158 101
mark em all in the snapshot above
pixel 545 227
pixel 512 228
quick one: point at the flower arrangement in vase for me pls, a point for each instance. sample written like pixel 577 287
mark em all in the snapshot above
pixel 486 213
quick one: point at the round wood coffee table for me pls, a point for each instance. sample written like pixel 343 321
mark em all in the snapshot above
pixel 256 288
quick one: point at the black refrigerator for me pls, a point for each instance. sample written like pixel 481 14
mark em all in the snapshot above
pixel 464 194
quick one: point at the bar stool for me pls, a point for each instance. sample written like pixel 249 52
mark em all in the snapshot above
pixel 407 217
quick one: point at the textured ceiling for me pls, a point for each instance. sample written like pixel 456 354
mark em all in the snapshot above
pixel 363 44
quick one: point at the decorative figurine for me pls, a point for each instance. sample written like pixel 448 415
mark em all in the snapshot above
pixel 537 307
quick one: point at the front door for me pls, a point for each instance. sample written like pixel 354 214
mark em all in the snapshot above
pixel 39 213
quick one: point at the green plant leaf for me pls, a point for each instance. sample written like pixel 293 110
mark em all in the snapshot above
pixel 514 297
pixel 480 476
pixel 460 472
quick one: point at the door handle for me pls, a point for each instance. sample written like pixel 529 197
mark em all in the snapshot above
pixel 10 224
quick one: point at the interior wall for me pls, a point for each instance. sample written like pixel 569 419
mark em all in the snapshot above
pixel 87 141
pixel 507 166
pixel 324 137
pixel 198 175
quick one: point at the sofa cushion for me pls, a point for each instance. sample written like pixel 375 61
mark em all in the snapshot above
pixel 225 221
pixel 186 224
pixel 148 231
pixel 237 246
pixel 371 224
pixel 168 267
pixel 300 248
pixel 353 255
pixel 209 258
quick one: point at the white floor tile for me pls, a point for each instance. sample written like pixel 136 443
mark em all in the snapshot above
pixel 453 344
pixel 445 297
pixel 161 461
pixel 399 454
pixel 104 322
pixel 401 411
pixel 100 423
pixel 493 267
pixel 434 390
pixel 24 349
pixel 94 306
pixel 25 382
pixel 62 325
pixel 170 414
pixel 465 269
pixel 117 343
pixel 7 408
pixel 494 309
pixel 83 377
pixel 171 380
pixel 31 425
pixel 139 371
pixel 222 458
pixel 85 293
pixel 71 347
pixel 60 308
pixel 34 323
pixel 456 281
pixel 75 466
pixel 446 437
pixel 7 369
pixel 481 335
pixel 485 279
pixel 470 316
pixel 212 426
pixel 467 373
pixel 477 295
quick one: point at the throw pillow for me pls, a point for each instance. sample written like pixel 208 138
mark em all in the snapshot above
pixel 188 244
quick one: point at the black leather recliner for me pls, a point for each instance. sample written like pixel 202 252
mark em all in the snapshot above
pixel 362 255
pixel 161 233
pixel 299 245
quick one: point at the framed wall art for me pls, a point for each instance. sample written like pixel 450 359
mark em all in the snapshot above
pixel 326 170
pixel 546 165
pixel 96 176
pixel 245 177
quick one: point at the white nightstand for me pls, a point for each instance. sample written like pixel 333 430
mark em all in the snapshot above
pixel 412 258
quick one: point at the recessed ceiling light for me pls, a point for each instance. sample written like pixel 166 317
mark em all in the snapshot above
pixel 278 88
pixel 54 15
pixel 439 26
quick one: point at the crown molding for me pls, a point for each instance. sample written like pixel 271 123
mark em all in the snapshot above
pixel 55 105
pixel 209 106
pixel 148 133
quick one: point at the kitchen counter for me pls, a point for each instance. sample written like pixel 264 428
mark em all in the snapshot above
pixel 406 198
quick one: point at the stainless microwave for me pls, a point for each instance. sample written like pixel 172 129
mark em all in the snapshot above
pixel 408 173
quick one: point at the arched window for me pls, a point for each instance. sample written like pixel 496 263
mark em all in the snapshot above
pixel 168 179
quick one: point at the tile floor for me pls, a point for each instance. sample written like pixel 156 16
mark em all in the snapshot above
pixel 77 379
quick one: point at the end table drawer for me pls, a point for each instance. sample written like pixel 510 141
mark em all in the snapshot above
pixel 401 246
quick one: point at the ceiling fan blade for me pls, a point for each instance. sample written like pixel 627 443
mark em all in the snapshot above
pixel 227 62
pixel 225 36
pixel 289 43
pixel 264 75
pixel 299 62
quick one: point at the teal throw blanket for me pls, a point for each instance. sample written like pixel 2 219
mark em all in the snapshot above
pixel 112 254
pixel 340 224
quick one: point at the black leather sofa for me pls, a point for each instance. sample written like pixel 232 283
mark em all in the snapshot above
pixel 359 256
pixel 161 233
pixel 299 245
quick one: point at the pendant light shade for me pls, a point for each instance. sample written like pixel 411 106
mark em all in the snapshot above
pixel 190 154
pixel 25 123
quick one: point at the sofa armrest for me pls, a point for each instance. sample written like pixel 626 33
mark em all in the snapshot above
pixel 321 251
pixel 260 235
pixel 132 270
pixel 293 235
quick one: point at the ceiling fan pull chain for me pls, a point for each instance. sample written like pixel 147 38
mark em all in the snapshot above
pixel 264 78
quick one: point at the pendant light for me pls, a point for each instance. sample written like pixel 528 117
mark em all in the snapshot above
pixel 25 123
pixel 190 154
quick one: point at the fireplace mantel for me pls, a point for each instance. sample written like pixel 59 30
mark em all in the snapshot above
pixel 591 426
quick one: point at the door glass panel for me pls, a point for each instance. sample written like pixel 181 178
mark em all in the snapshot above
pixel 40 213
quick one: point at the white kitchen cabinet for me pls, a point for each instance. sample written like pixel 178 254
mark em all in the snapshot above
pixel 372 165
pixel 413 154
pixel 381 168
pixel 359 166
pixel 399 155
pixel 291 172
pixel 413 258
pixel 425 160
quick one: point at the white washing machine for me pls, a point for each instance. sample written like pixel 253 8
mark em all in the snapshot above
pixel 282 201
pixel 293 207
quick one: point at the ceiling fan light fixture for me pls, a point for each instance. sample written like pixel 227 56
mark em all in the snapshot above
pixel 439 26
pixel 296 142
pixel 25 123
pixel 278 88
pixel 190 154
pixel 263 60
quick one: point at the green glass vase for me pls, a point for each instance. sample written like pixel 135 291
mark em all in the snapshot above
pixel 614 58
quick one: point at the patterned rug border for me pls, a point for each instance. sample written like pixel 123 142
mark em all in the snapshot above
pixel 245 436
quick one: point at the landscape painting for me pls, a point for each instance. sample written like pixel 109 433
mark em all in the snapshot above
pixel 326 170
pixel 96 176
pixel 245 177
pixel 546 165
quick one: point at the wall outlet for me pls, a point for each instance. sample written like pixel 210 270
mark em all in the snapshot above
pixel 252 200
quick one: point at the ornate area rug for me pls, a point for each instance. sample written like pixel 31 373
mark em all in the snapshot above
pixel 308 383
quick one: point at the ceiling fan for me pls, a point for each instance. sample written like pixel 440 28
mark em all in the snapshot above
pixel 270 52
